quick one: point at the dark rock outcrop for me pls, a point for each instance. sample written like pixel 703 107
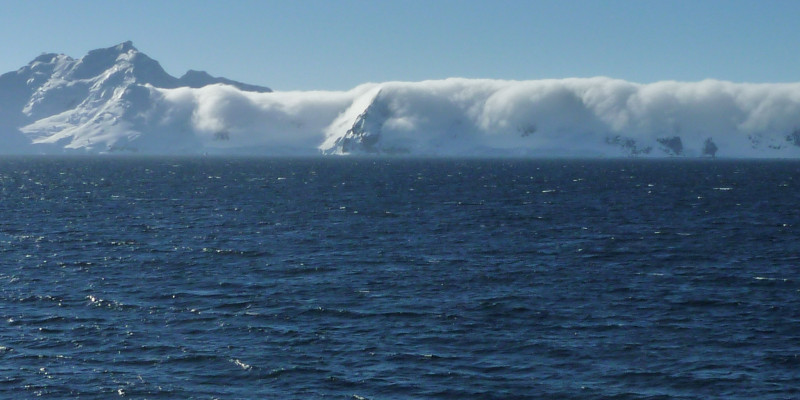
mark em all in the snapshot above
pixel 629 145
pixel 672 145
pixel 709 148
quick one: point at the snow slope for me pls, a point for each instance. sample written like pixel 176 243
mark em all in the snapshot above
pixel 119 100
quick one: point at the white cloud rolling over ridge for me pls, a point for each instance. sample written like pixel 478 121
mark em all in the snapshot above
pixel 223 117
pixel 127 103
pixel 566 117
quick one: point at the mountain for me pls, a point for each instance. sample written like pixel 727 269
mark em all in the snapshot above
pixel 99 102
pixel 118 99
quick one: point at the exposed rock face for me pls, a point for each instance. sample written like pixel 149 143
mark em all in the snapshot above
pixel 365 134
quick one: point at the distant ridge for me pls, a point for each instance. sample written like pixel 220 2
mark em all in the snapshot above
pixel 198 79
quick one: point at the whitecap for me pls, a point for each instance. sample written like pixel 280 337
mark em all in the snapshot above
pixel 241 364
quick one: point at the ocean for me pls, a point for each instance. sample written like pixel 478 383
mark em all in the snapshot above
pixel 360 278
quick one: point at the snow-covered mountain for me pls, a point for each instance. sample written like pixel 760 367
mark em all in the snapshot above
pixel 101 102
pixel 120 100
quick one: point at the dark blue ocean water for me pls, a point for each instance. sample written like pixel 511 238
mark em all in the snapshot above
pixel 399 279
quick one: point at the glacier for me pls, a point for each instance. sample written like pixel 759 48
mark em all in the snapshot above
pixel 119 100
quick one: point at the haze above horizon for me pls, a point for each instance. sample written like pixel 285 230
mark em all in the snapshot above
pixel 324 45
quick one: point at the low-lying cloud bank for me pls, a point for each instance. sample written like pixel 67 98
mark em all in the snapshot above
pixel 566 117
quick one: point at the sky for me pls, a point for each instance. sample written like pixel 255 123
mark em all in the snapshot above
pixel 339 44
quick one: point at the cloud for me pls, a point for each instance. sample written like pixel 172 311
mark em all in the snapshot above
pixel 455 116
pixel 225 117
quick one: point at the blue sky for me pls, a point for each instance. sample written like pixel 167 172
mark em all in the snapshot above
pixel 337 44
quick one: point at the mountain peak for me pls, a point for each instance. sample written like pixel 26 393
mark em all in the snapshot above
pixel 44 58
pixel 125 47
pixel 113 51
pixel 99 60
pixel 194 74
